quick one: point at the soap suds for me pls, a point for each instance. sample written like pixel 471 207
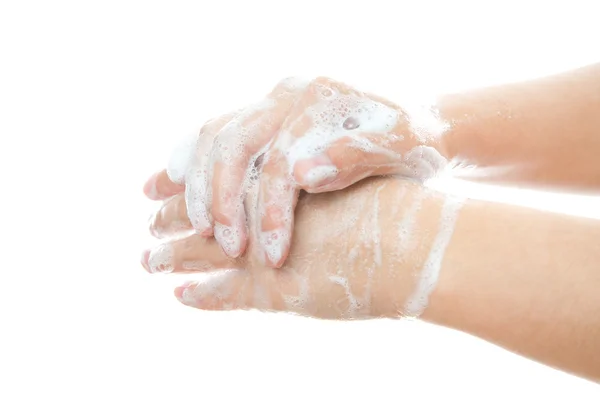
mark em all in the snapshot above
pixel 406 225
pixel 320 174
pixel 181 158
pixel 216 286
pixel 353 303
pixel 274 242
pixel 333 115
pixel 331 118
pixel 229 238
pixel 161 259
pixel 418 301
pixel 424 119
pixel 297 302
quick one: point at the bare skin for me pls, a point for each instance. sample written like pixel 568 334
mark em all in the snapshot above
pixel 360 276
pixel 226 147
pixel 524 279
pixel 541 133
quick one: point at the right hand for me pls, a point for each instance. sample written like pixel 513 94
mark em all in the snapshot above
pixel 364 252
pixel 318 136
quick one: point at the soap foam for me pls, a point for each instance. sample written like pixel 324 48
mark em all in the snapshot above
pixel 331 117
pixel 161 259
pixel 418 301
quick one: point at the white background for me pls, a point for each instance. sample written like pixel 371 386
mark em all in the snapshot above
pixel 93 95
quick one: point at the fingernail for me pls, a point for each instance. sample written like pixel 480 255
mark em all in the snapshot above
pixel 198 215
pixel 274 243
pixel 229 238
pixel 320 175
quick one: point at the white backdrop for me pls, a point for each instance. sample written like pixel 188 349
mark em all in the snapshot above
pixel 93 95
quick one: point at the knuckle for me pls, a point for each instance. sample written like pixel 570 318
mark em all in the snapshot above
pixel 207 129
pixel 321 80
pixel 290 84
pixel 221 150
pixel 322 87
pixel 270 162
pixel 232 146
pixel 214 125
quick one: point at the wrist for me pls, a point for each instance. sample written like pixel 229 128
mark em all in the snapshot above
pixel 525 280
pixel 455 114
pixel 416 232
pixel 430 131
pixel 447 302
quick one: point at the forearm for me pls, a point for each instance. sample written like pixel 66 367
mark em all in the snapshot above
pixel 526 280
pixel 544 132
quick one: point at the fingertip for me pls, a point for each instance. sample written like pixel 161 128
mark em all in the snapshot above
pixel 198 214
pixel 228 207
pixel 150 188
pixel 276 202
pixel 315 172
pixel 320 176
pixel 159 186
pixel 185 294
pixel 144 260
pixel 276 264
pixel 178 292
pixel 232 239
pixel 278 259
pixel 275 244
pixel 151 226
pixel 201 224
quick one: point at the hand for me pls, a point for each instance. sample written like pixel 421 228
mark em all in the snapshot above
pixel 372 250
pixel 321 136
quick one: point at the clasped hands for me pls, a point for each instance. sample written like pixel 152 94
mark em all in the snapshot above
pixel 235 206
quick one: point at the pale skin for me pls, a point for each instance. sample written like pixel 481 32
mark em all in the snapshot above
pixel 320 261
pixel 539 133
pixel 524 279
pixel 542 133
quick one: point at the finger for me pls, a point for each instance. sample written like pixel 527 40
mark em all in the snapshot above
pixel 351 159
pixel 277 198
pixel 233 158
pixel 341 117
pixel 197 190
pixel 159 186
pixel 277 193
pixel 190 254
pixel 181 157
pixel 171 218
pixel 244 289
pixel 223 290
pixel 344 162
pixel 235 149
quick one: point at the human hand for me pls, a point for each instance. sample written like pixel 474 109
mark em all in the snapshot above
pixel 318 136
pixel 372 250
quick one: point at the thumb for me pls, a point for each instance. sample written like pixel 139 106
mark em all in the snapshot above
pixel 160 187
pixel 349 160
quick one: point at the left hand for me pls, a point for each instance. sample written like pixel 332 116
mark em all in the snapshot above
pixel 318 136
